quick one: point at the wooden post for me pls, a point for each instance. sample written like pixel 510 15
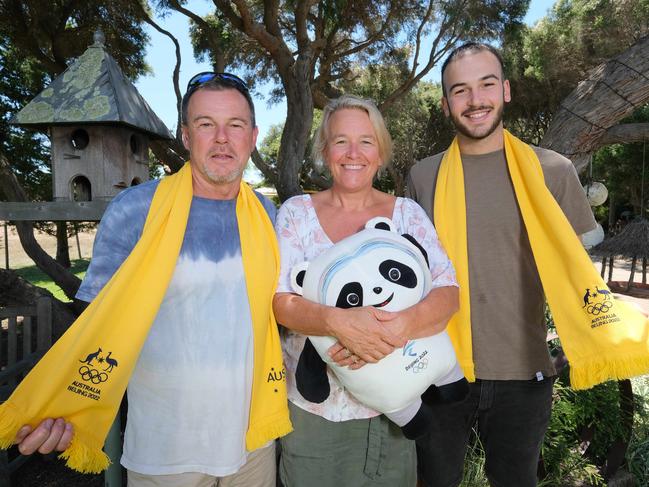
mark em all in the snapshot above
pixel 44 325
pixel 113 448
pixel 628 285
pixel 644 270
pixel 76 236
pixel 6 247
pixel 610 268
pixel 603 266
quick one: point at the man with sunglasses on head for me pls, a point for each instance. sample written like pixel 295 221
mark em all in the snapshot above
pixel 191 395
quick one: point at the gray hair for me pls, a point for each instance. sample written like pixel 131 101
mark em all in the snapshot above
pixel 355 103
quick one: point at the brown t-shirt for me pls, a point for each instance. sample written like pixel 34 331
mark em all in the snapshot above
pixel 507 301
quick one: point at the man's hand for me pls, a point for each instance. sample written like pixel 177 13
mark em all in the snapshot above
pixel 51 435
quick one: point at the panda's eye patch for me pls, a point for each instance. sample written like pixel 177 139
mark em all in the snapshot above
pixel 398 273
pixel 350 296
pixel 353 299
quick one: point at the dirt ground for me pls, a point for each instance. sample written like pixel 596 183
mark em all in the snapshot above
pixel 49 471
pixel 18 257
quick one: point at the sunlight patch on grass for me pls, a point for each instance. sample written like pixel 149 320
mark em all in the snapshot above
pixel 38 278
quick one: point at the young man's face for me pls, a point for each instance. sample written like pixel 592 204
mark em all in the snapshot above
pixel 475 94
pixel 219 135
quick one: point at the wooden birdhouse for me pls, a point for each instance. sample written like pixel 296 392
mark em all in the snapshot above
pixel 99 126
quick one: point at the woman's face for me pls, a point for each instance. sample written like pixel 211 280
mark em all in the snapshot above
pixel 352 150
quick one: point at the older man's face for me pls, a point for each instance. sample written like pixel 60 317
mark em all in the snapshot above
pixel 219 136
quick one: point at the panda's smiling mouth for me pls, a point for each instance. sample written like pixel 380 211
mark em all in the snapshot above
pixel 384 303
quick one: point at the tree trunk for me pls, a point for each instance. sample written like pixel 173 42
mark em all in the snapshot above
pixel 299 117
pixel 10 186
pixel 399 181
pixel 15 291
pixel 603 267
pixel 611 92
pixel 610 269
pixel 62 247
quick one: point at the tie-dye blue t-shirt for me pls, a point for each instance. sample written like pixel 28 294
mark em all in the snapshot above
pixel 189 394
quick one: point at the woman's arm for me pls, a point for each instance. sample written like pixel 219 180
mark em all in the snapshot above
pixel 359 330
pixel 428 317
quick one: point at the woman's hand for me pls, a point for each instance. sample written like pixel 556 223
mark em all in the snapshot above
pixel 362 337
pixel 51 435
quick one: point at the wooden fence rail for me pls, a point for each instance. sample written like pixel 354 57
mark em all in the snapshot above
pixel 25 335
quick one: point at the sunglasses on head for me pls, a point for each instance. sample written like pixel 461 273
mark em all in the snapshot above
pixel 201 78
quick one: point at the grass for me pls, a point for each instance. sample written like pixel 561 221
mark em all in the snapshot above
pixel 38 278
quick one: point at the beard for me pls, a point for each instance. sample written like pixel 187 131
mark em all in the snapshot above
pixel 226 178
pixel 477 133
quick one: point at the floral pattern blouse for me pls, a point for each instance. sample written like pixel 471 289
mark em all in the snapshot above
pixel 302 238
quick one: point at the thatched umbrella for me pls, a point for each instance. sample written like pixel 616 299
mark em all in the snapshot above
pixel 632 242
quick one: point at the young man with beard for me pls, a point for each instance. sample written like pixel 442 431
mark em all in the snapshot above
pixel 500 332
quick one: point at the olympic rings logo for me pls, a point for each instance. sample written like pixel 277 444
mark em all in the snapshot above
pixel 92 375
pixel 420 366
pixel 597 308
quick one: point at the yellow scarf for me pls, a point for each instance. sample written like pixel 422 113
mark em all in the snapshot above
pixel 603 338
pixel 77 381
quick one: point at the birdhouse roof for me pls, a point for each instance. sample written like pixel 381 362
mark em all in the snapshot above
pixel 93 90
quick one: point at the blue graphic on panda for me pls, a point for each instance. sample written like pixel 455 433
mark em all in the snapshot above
pixel 383 269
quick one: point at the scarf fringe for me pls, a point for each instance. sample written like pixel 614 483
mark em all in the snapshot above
pixel 260 435
pixel 84 458
pixel 10 423
pixel 588 373
pixel 79 456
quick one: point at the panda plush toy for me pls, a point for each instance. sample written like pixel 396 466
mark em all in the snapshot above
pixel 378 267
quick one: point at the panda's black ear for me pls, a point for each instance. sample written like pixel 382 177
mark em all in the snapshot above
pixel 298 273
pixel 381 223
pixel 382 226
pixel 413 241
pixel 299 279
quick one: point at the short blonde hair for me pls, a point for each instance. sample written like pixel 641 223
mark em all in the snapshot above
pixel 355 103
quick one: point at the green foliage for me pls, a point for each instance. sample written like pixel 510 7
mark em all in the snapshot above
pixel 474 463
pixel 38 278
pixel 638 453
pixel 544 63
pixel 620 167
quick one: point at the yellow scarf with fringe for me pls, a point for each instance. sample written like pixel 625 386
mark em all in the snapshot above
pixel 603 338
pixel 79 380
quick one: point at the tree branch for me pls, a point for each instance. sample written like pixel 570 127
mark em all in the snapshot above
pixel 265 168
pixel 434 56
pixel 625 133
pixel 12 190
pixel 176 73
pixel 212 38
pixel 301 33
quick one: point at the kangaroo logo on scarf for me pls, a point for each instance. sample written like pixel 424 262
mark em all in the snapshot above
pixel 598 303
pixel 95 371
